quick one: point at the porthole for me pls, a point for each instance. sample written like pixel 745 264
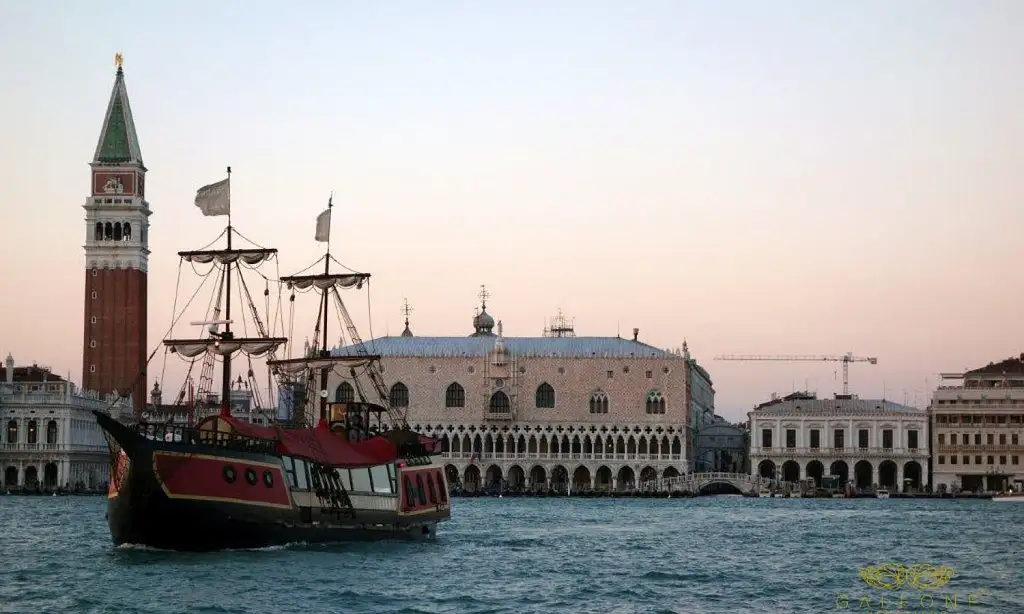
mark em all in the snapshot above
pixel 250 476
pixel 229 474
pixel 268 479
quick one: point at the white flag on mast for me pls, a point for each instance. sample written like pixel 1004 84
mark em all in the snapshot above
pixel 323 226
pixel 215 199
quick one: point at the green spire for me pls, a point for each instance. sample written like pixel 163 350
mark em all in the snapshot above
pixel 118 142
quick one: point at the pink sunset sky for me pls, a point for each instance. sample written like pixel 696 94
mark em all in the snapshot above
pixel 766 178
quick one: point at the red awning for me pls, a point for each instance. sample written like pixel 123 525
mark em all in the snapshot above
pixel 320 444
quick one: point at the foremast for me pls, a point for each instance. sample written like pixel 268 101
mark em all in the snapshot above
pixel 215 200
pixel 317 365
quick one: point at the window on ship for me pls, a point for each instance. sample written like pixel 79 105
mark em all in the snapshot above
pixel 302 479
pixel 381 479
pixel 361 480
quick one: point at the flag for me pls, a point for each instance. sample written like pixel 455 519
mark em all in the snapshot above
pixel 323 226
pixel 215 199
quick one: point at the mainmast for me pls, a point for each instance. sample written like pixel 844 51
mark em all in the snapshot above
pixel 325 300
pixel 215 200
pixel 225 384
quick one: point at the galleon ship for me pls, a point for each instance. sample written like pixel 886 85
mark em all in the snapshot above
pixel 320 471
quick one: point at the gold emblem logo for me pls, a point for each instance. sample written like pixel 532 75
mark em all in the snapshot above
pixel 894 576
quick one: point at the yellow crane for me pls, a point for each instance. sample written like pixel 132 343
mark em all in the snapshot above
pixel 846 359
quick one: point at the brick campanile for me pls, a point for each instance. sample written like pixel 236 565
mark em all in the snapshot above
pixel 116 257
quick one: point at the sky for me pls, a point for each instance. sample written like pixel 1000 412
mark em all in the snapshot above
pixel 794 177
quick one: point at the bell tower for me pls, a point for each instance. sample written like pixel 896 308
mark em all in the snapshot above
pixel 116 257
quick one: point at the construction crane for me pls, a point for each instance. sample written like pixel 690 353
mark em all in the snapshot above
pixel 846 359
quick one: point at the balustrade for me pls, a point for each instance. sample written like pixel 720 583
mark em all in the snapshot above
pixel 561 456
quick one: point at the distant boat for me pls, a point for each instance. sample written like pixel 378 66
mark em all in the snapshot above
pixel 882 493
pixel 764 493
pixel 1009 497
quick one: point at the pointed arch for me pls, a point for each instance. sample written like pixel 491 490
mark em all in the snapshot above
pixel 344 393
pixel 455 395
pixel 398 396
pixel 500 403
pixel 545 396
pixel 598 402
pixel 654 403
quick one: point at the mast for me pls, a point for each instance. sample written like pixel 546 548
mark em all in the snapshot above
pixel 324 353
pixel 215 200
pixel 225 385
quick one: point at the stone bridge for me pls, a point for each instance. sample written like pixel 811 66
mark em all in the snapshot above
pixel 695 482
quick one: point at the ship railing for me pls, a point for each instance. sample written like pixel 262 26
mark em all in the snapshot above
pixel 173 433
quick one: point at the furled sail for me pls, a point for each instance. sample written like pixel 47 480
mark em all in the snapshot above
pixel 258 346
pixel 326 281
pixel 229 256
pixel 294 366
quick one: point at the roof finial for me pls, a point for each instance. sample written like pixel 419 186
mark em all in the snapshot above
pixel 119 61
pixel 484 295
pixel 406 309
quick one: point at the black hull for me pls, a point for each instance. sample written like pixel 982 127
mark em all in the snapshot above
pixel 141 509
pixel 189 526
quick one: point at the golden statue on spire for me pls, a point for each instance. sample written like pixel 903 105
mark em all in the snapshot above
pixel 118 60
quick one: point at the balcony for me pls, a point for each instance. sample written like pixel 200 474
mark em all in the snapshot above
pixel 850 451
pixel 52 447
pixel 563 456
pixel 981 448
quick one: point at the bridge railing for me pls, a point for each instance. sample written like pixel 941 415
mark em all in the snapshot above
pixel 694 481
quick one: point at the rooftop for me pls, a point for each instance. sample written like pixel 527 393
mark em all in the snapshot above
pixel 31 374
pixel 556 347
pixel 808 404
pixel 1010 366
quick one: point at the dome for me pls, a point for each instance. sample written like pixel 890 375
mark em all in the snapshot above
pixel 483 323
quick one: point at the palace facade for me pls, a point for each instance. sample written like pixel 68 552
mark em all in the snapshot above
pixel 867 443
pixel 978 428
pixel 601 413
pixel 50 437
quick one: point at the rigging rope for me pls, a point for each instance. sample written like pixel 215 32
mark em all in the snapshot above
pixel 174 307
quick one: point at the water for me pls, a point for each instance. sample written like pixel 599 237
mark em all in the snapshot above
pixel 711 554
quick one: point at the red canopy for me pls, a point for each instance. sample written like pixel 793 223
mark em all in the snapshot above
pixel 319 444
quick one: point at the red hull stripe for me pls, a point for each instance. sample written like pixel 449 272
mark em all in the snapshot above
pixel 202 477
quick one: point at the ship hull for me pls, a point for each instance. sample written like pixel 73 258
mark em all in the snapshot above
pixel 174 496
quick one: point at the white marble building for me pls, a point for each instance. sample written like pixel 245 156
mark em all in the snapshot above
pixel 603 413
pixel 978 428
pixel 49 436
pixel 862 441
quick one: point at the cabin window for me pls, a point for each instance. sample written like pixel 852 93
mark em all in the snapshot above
pixel 302 481
pixel 441 489
pixel 346 479
pixel 288 463
pixel 361 480
pixel 430 488
pixel 381 480
pixel 421 495
pixel 410 494
pixel 392 477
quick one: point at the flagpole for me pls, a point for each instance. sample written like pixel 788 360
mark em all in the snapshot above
pixel 229 207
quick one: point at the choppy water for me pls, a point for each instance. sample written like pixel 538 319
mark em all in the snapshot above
pixel 522 556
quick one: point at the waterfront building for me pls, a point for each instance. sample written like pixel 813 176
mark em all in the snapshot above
pixel 863 442
pixel 721 447
pixel 50 437
pixel 977 421
pixel 116 257
pixel 602 413
pixel 243 407
pixel 700 393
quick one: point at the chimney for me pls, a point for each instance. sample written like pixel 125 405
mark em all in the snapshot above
pixel 636 333
pixel 9 364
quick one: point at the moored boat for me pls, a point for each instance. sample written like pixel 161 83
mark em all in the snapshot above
pixel 350 470
pixel 1013 496
pixel 882 493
